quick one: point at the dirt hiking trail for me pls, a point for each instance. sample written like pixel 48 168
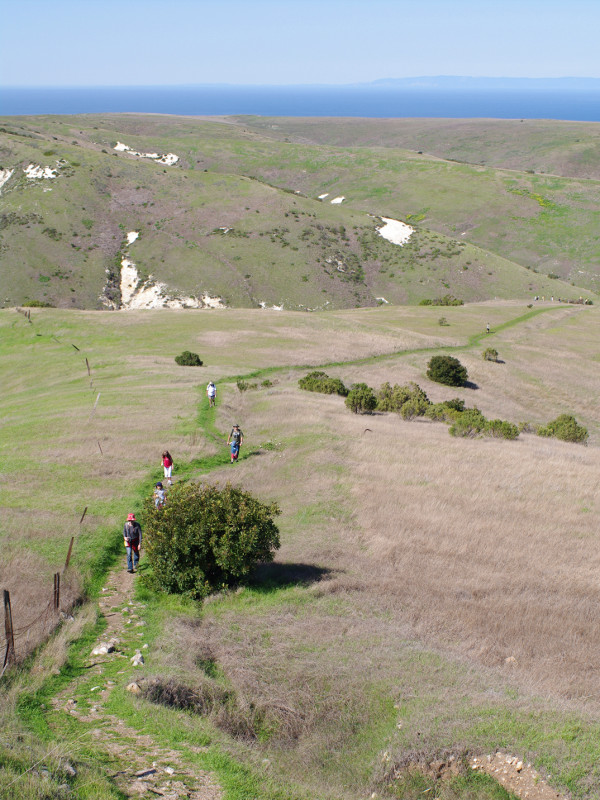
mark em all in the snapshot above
pixel 139 767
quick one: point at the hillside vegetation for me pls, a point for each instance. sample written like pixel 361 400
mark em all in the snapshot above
pixel 237 219
pixel 433 598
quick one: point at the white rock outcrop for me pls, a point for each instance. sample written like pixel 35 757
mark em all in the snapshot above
pixel 137 294
pixel 395 231
pixel 166 158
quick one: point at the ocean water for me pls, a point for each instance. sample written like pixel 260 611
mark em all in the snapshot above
pixel 307 101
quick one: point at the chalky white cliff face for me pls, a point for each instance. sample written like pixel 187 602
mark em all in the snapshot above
pixel 395 231
pixel 5 175
pixel 136 293
pixel 167 158
pixel 35 171
pixel 149 293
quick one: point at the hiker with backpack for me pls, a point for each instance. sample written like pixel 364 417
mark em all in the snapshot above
pixel 211 392
pixel 132 537
pixel 235 439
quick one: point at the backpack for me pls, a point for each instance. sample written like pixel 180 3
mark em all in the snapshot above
pixel 132 535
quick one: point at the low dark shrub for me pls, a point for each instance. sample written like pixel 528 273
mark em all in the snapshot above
pixel 318 381
pixel 447 370
pixel 243 385
pixel 446 300
pixel 566 428
pixel 361 399
pixel 187 359
pixel 36 304
pixel 490 354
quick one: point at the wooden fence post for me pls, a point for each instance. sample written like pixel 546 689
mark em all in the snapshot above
pixel 69 553
pixel 56 591
pixel 9 657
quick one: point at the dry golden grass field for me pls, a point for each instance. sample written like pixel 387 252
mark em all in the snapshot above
pixel 431 593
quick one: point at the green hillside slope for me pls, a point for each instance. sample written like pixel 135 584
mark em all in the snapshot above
pixel 237 221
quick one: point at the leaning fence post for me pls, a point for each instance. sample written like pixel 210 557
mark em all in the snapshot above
pixel 9 657
pixel 69 553
pixel 56 591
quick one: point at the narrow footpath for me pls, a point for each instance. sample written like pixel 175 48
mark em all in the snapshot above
pixel 138 766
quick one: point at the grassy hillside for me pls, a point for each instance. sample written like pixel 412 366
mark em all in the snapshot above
pixel 433 596
pixel 237 219
pixel 568 149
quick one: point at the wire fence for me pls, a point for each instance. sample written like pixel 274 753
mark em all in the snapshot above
pixel 22 636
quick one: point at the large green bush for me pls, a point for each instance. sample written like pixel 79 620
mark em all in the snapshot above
pixel 392 398
pixel 207 537
pixel 565 427
pixel 187 359
pixel 321 382
pixel 361 399
pixel 447 370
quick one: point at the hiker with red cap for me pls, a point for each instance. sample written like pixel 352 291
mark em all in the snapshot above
pixel 132 537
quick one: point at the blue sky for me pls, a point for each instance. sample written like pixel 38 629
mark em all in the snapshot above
pixel 150 42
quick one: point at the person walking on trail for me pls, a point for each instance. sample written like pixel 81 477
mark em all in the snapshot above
pixel 132 537
pixel 159 495
pixel 211 391
pixel 167 466
pixel 235 439
pixel 488 327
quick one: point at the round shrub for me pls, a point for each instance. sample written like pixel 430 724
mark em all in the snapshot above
pixel 318 381
pixel 490 354
pixel 565 427
pixel 361 399
pixel 501 429
pixel 447 370
pixel 206 537
pixel 470 422
pixel 187 359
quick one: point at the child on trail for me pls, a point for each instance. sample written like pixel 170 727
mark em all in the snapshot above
pixel 236 438
pixel 159 495
pixel 211 391
pixel 168 466
pixel 132 538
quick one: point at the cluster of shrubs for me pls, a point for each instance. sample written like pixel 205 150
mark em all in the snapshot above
pixel 446 300
pixel 243 385
pixel 321 382
pixel 564 427
pixel 411 401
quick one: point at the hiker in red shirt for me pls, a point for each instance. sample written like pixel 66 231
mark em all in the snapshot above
pixel 168 466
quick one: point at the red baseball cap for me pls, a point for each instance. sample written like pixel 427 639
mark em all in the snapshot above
pixel 130 517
